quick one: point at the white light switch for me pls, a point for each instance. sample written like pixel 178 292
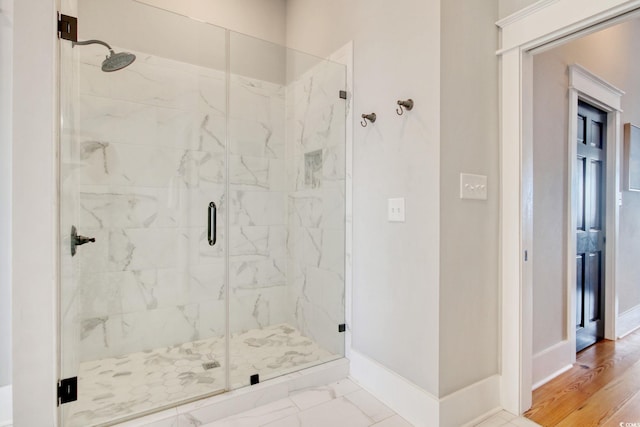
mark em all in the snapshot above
pixel 396 210
pixel 473 186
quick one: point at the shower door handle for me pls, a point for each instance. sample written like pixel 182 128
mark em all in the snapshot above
pixel 211 222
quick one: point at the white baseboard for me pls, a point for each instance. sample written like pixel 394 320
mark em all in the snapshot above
pixel 6 406
pixel 551 362
pixel 405 398
pixel 419 407
pixel 474 402
pixel 628 322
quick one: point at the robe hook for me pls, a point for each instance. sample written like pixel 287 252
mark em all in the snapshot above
pixel 408 104
pixel 371 117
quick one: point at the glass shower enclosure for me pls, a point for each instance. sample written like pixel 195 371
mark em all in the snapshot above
pixel 202 211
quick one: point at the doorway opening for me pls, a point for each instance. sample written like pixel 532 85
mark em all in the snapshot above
pixel 538 28
pixel 590 212
pixel 576 143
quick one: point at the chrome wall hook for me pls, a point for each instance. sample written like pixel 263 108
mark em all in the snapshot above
pixel 408 104
pixel 371 117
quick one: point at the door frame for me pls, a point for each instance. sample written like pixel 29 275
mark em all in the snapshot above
pixel 539 26
pixel 588 87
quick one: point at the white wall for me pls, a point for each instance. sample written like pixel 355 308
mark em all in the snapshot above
pixel 609 54
pixel 34 215
pixel 322 27
pixel 469 292
pixel 6 53
pixel 191 40
pixel 264 19
pixel 507 7
pixel 395 265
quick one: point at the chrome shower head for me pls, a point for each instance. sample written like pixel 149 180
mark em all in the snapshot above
pixel 114 61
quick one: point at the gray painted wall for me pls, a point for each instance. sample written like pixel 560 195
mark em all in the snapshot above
pixel 6 63
pixel 469 291
pixel 395 265
pixel 390 285
pixel 611 54
pixel 198 43
pixel 264 19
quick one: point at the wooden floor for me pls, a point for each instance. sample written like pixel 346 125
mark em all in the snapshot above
pixel 602 388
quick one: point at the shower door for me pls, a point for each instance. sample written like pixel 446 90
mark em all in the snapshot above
pixel 287 181
pixel 204 188
pixel 143 308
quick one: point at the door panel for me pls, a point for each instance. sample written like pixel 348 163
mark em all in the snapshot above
pixel 143 307
pixel 580 208
pixel 579 288
pixel 590 233
pixel 595 266
pixel 595 219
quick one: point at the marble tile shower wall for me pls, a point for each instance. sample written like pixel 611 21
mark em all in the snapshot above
pixel 258 204
pixel 152 156
pixel 316 204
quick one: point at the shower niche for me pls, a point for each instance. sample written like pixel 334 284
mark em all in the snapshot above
pixel 152 314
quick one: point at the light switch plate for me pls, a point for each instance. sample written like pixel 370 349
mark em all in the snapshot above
pixel 473 186
pixel 396 210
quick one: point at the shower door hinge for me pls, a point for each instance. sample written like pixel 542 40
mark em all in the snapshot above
pixel 254 379
pixel 342 327
pixel 343 94
pixel 67 390
pixel 67 27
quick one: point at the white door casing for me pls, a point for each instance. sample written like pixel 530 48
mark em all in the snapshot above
pixel 535 27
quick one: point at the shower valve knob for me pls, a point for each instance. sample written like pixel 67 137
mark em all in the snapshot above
pixel 78 240
pixel 81 240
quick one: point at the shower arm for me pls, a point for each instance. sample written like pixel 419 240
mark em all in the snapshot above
pixel 86 42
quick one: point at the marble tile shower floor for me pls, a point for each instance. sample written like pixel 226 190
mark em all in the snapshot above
pixel 123 386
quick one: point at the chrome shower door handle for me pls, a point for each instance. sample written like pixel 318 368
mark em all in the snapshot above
pixel 211 222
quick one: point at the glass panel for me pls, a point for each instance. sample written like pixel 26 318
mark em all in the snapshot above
pixel 143 308
pixel 287 210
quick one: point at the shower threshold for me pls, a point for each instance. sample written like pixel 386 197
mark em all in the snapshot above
pixel 124 387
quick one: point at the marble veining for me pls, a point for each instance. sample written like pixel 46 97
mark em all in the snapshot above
pixel 315 203
pixel 135 383
pixel 150 153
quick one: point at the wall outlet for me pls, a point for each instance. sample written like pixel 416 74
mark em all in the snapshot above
pixel 473 186
pixel 396 210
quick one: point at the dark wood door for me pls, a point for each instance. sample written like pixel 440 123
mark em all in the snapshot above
pixel 590 233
